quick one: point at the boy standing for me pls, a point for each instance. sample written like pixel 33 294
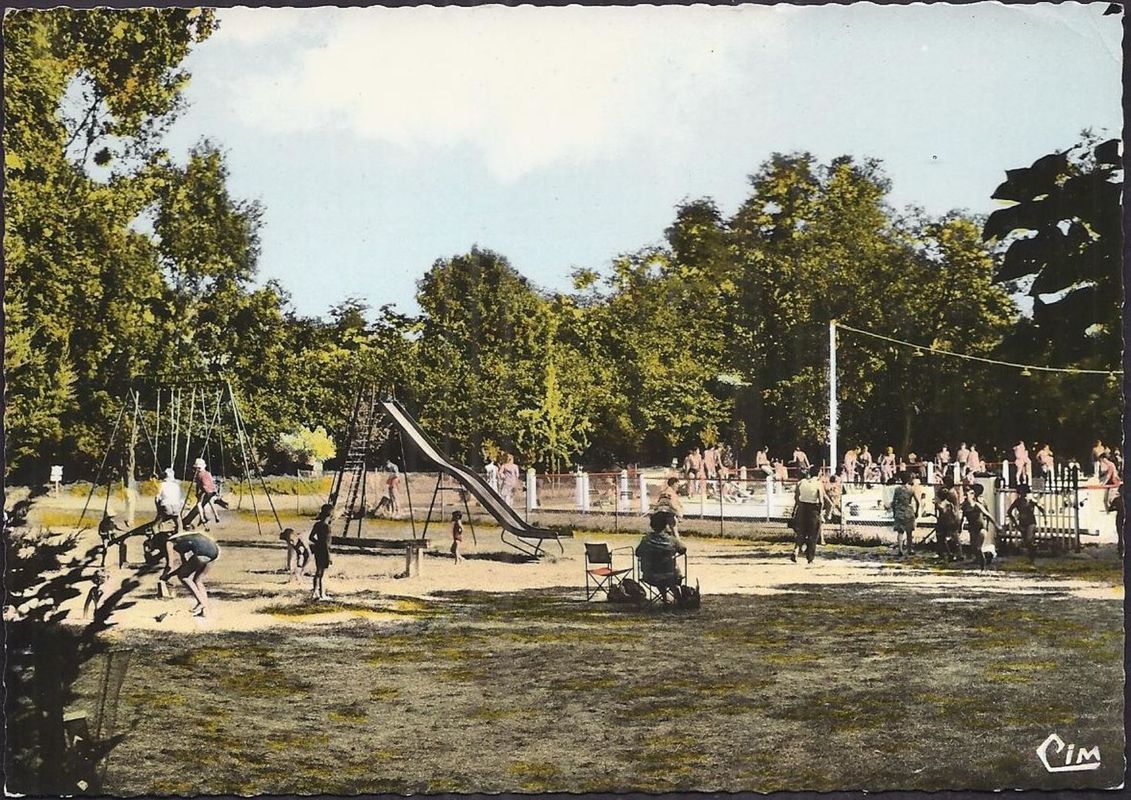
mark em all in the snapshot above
pixel 320 548
pixel 457 535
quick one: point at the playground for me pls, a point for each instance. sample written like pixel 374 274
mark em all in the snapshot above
pixel 860 670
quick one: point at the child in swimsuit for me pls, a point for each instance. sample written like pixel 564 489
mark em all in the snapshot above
pixel 197 554
pixel 457 535
pixel 320 547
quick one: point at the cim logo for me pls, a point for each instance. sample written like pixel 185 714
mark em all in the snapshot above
pixel 1085 758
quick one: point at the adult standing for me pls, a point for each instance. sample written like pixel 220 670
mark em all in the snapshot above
pixel 1098 450
pixel 1022 463
pixel 509 479
pixel 809 497
pixel 864 459
pixel 942 459
pixel 711 464
pixel 1046 466
pixel 492 471
pixel 904 512
pixel 974 461
pixel 693 470
pixel 850 465
pixel 960 456
pixel 887 465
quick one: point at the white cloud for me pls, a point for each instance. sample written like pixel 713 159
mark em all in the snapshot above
pixel 524 87
pixel 253 26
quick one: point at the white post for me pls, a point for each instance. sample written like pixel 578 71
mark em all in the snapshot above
pixel 1005 472
pixel 643 494
pixel 579 490
pixel 622 489
pixel 832 398
pixel 930 473
pixel 585 491
pixel 742 474
pixel 531 490
pixel 769 495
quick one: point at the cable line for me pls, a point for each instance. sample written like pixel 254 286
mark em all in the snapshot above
pixel 1069 370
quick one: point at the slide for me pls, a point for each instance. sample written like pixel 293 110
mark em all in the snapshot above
pixel 490 499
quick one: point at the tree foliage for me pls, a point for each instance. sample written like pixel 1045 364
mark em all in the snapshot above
pixel 125 260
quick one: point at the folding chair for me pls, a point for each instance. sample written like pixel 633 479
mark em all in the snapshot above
pixel 600 576
pixel 658 584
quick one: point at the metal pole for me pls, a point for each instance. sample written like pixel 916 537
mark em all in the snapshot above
pixel 832 398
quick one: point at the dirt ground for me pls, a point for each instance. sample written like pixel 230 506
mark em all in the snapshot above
pixel 859 671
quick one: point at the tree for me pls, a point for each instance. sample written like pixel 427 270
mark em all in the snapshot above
pixel 1062 246
pixel 80 281
pixel 478 351
pixel 306 446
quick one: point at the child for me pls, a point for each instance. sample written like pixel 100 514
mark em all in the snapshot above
pixel 298 552
pixel 197 554
pixel 904 512
pixel 320 548
pixel 457 535
pixel 1021 512
pixel 982 542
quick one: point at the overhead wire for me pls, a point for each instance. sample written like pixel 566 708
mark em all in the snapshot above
pixel 984 360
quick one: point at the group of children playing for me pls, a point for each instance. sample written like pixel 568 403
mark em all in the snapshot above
pixel 955 505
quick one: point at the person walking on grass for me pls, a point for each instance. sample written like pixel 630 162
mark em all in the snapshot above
pixel 809 498
pixel 1022 513
pixel 948 520
pixel 320 537
pixel 197 554
pixel 982 540
pixel 904 512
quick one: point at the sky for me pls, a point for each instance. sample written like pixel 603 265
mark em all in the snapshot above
pixel 380 140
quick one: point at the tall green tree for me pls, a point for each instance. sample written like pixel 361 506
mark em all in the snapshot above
pixel 1062 242
pixel 87 95
pixel 479 351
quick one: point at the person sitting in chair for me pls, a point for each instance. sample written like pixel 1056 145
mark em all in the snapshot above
pixel 657 553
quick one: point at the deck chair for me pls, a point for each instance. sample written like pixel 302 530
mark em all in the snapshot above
pixel 600 575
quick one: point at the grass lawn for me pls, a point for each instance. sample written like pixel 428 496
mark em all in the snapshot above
pixel 828 687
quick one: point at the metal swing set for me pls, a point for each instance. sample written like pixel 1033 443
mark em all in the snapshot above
pixel 184 418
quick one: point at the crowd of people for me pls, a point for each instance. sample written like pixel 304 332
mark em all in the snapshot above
pixel 715 465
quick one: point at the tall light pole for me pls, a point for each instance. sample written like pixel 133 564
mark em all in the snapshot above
pixel 832 398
